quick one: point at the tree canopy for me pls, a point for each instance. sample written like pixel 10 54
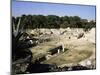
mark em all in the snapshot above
pixel 53 21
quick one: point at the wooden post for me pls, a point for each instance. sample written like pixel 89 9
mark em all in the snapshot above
pixel 58 51
pixel 63 47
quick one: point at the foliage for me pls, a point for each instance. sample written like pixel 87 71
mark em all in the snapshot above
pixel 21 55
pixel 53 21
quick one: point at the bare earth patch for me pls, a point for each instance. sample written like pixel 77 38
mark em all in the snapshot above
pixel 75 54
pixel 77 50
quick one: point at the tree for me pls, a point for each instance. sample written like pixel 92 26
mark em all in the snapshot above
pixel 53 21
pixel 41 21
pixel 65 24
pixel 65 18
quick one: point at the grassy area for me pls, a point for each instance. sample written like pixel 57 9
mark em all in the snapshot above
pixel 74 56
pixel 70 56
pixel 75 51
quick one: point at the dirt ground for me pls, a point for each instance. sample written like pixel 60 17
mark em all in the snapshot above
pixel 78 51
